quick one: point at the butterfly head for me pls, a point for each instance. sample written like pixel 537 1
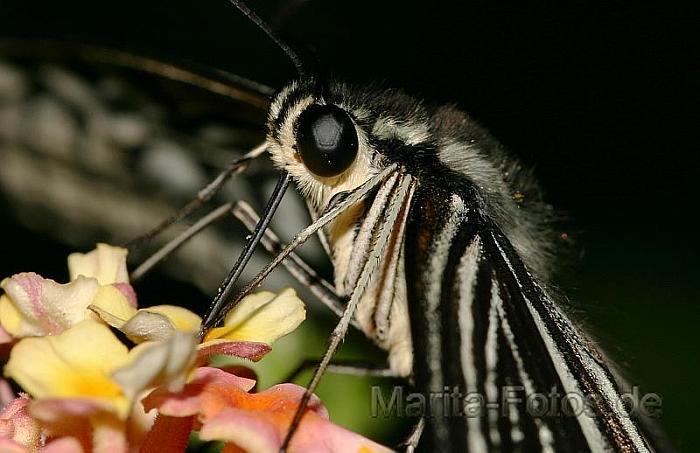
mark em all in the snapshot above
pixel 318 140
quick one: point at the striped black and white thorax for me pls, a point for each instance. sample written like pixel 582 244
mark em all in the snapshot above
pixel 458 295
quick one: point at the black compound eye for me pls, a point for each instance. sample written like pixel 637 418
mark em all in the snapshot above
pixel 326 140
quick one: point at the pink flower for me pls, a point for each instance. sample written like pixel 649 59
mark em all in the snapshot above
pixel 35 306
pixel 88 385
pixel 18 429
pixel 220 405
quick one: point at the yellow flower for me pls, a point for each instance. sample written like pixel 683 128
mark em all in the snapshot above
pixel 155 323
pixel 77 363
pixel 106 263
pixel 88 362
pixel 36 306
pixel 262 317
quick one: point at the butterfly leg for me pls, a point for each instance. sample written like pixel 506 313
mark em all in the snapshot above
pixel 148 264
pixel 301 271
pixel 349 368
pixel 205 194
pixel 302 236
pixel 348 310
pixel 412 440
pixel 338 334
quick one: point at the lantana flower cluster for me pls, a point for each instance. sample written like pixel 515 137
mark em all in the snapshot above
pixel 96 373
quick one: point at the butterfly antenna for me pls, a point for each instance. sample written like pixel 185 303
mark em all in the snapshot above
pixel 242 7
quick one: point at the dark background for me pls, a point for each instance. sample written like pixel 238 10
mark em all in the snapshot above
pixel 598 97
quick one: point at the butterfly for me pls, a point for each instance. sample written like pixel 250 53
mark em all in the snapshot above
pixel 423 220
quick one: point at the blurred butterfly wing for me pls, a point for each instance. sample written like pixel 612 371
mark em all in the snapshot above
pixel 103 145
